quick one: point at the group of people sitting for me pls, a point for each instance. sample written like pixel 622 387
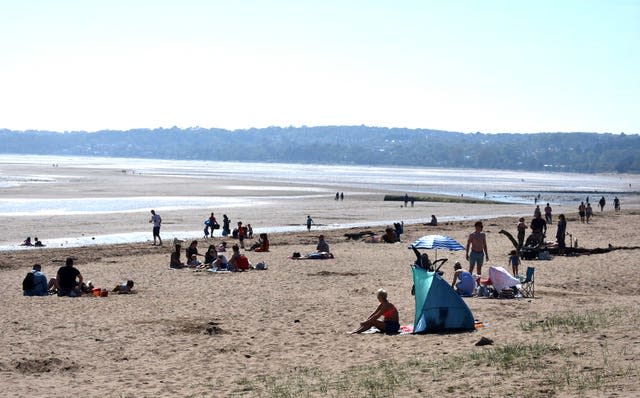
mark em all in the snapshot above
pixel 391 235
pixel 213 259
pixel 68 282
pixel 28 242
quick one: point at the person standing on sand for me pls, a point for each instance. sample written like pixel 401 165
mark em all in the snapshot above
pixel 226 228
pixel 156 220
pixel 309 222
pixel 477 242
pixel 242 233
pixel 581 211
pixel 521 232
pixel 561 232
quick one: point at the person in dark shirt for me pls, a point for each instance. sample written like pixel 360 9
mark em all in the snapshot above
pixel 539 225
pixel 68 280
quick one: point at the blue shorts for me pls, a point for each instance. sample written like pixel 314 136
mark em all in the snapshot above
pixel 156 231
pixel 476 258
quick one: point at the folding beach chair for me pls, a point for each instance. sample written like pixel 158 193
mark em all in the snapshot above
pixel 527 288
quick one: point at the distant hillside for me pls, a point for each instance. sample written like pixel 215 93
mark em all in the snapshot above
pixel 575 152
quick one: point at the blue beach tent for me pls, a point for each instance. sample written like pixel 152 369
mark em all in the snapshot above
pixel 438 306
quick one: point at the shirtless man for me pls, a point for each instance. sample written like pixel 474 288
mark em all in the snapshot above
pixel 477 242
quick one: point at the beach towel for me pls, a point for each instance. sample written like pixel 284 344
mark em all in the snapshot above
pixel 406 329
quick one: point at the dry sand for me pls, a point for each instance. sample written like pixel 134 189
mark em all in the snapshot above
pixel 283 331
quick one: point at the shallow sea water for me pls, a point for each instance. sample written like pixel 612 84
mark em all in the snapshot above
pixel 499 185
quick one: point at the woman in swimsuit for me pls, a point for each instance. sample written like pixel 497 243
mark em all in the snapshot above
pixel 390 324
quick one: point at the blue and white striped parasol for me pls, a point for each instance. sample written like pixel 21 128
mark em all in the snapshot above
pixel 437 242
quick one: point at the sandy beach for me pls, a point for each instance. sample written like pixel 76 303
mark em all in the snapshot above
pixel 284 331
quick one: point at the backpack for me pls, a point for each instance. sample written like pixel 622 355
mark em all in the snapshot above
pixel 28 283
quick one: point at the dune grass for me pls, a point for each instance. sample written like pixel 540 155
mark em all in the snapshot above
pixel 554 369
pixel 586 321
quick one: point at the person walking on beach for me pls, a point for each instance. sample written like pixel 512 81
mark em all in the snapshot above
pixel 309 222
pixel 477 242
pixel 547 214
pixel 156 220
pixel 212 222
pixel 226 225
pixel 601 203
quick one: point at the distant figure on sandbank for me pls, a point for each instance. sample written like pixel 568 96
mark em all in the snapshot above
pixel 157 221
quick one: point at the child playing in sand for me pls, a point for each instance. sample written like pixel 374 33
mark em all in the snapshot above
pixel 514 260
pixel 124 288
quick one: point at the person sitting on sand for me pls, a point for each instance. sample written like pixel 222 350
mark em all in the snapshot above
pixel 390 324
pixel 193 262
pixel 68 280
pixel 192 249
pixel 262 245
pixel 175 258
pixel 238 262
pixel 27 242
pixel 390 235
pixel 37 243
pixel 124 288
pixel 322 245
pixel 221 263
pixel 39 285
pixel 466 283
pixel 222 247
pixel 433 222
pixel 210 256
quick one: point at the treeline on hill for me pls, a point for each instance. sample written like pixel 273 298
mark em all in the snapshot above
pixel 362 145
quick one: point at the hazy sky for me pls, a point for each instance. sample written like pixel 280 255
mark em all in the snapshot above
pixel 489 66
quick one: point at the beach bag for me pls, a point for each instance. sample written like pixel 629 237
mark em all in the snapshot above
pixel 216 225
pixel 29 281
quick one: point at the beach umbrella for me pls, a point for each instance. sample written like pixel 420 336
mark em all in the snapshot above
pixel 437 242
